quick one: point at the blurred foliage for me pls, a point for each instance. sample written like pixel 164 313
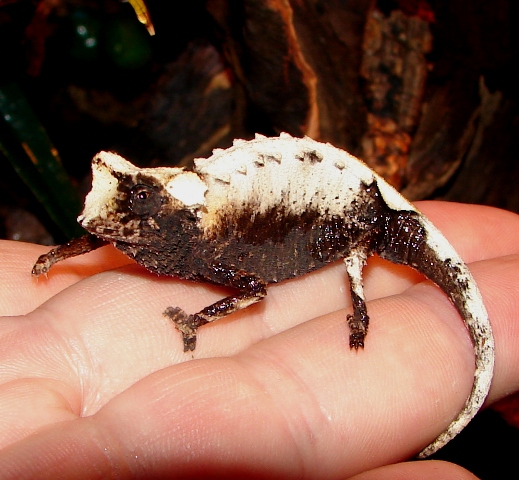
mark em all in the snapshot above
pixel 25 144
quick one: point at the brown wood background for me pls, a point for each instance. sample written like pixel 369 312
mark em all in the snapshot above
pixel 423 91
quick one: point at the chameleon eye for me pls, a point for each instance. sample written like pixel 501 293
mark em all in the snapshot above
pixel 144 200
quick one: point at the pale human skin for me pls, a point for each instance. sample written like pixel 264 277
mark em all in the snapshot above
pixel 94 382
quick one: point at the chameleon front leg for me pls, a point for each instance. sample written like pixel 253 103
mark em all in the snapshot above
pixel 251 290
pixel 77 246
pixel 359 320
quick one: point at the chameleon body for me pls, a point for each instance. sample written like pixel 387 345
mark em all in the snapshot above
pixel 268 210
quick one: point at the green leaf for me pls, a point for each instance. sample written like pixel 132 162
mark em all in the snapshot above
pixel 25 143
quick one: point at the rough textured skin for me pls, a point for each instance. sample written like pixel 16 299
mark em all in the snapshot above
pixel 268 210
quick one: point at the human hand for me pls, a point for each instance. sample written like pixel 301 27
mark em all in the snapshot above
pixel 94 382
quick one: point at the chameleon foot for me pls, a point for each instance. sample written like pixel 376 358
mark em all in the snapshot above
pixel 185 324
pixel 358 331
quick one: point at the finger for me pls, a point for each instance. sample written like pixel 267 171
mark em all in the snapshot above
pixel 477 232
pixel 499 287
pixel 21 293
pixel 287 305
pixel 424 470
pixel 118 315
pixel 297 403
pixel 475 226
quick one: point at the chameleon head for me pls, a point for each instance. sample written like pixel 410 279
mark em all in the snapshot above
pixel 126 201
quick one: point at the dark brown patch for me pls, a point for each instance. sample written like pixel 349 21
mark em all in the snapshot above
pixel 405 242
pixel 274 158
pixel 277 245
pixel 272 226
pixel 311 156
pixel 404 236
pixel 358 321
pixel 145 200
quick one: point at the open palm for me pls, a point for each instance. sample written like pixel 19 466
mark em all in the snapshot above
pixel 94 382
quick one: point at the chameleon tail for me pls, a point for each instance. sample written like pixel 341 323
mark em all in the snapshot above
pixel 415 241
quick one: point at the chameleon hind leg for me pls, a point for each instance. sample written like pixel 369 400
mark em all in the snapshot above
pixel 250 288
pixel 358 321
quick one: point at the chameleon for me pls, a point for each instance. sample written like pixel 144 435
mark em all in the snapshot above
pixel 267 210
